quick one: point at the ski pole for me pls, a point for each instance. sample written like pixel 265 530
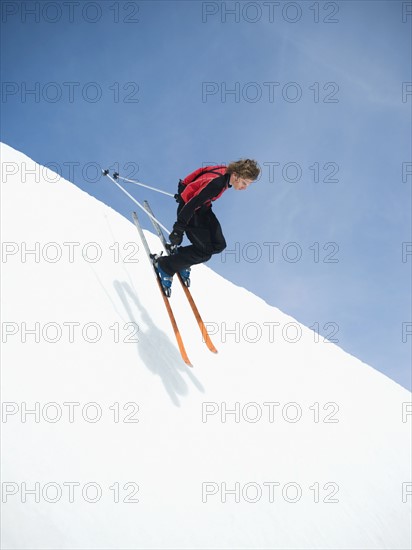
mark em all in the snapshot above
pixel 116 176
pixel 106 173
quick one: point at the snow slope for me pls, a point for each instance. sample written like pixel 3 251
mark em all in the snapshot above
pixel 282 440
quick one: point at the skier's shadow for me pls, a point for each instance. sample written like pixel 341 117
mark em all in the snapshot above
pixel 156 349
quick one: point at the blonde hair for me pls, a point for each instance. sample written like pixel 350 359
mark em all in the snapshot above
pixel 244 168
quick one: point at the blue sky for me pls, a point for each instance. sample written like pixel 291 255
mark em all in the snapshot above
pixel 311 90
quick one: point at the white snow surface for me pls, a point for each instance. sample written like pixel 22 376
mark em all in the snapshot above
pixel 276 474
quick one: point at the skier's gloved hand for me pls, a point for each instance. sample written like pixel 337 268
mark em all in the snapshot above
pixel 176 236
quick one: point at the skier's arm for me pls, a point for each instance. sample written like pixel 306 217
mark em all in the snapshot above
pixel 212 189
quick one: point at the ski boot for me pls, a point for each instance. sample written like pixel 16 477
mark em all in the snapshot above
pixel 165 279
pixel 185 275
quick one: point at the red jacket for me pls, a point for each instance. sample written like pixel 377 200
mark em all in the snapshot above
pixel 201 187
pixel 197 180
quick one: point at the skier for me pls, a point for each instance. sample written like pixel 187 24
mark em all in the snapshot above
pixel 196 218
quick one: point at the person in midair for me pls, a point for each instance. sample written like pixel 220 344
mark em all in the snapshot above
pixel 195 217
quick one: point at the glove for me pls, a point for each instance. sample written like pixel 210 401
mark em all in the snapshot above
pixel 176 236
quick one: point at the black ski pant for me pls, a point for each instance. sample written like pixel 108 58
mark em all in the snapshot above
pixel 205 234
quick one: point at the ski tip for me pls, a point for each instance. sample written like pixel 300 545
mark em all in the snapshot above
pixel 209 344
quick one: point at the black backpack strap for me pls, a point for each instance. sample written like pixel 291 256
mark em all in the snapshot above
pixel 180 189
pixel 205 172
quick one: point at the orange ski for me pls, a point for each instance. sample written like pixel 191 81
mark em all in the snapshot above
pixel 202 327
pixel 176 330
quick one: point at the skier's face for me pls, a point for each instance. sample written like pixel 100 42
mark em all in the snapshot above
pixel 240 184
